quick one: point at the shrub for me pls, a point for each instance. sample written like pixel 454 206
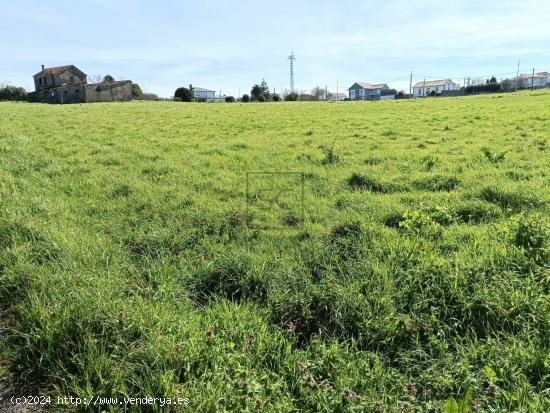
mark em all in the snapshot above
pixel 245 98
pixel 275 98
pixel 437 183
pixel 291 97
pixel 137 93
pixel 12 93
pixel 229 99
pixel 260 98
pixel 184 94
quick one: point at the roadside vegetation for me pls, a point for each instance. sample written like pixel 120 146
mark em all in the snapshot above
pixel 133 264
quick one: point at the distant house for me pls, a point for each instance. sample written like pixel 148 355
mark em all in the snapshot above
pixel 68 84
pixel 541 79
pixel 201 93
pixel 367 91
pixel 426 88
pixel 337 96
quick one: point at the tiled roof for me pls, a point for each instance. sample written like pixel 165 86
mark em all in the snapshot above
pixel 371 86
pixel 200 89
pixel 53 70
pixel 431 83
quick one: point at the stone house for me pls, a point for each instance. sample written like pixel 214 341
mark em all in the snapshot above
pixel 68 84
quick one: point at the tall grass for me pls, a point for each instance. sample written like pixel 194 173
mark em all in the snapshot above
pixel 132 265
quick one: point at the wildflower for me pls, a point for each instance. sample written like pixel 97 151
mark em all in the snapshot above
pixel 350 395
pixel 290 327
pixel 492 389
pixel 410 389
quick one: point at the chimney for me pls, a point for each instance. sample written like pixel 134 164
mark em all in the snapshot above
pixel 42 67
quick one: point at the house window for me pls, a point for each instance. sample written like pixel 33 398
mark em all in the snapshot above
pixel 40 81
pixel 72 79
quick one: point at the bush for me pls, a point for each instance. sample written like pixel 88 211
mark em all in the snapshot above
pixel 291 97
pixel 260 98
pixel 275 98
pixel 487 88
pixel 137 93
pixel 245 98
pixel 12 93
pixel 184 94
pixel 229 99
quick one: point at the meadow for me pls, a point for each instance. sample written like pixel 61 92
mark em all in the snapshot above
pixel 390 256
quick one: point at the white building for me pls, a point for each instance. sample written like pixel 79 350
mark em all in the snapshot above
pixel 541 79
pixel 426 88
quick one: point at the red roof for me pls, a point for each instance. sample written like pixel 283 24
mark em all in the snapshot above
pixel 55 70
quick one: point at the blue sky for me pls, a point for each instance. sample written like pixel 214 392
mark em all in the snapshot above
pixel 229 45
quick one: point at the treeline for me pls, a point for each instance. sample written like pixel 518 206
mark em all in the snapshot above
pixel 258 93
pixel 12 93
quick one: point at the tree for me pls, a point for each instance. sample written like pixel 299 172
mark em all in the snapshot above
pixel 108 78
pixel 318 92
pixel 229 99
pixel 245 98
pixel 184 94
pixel 275 98
pixel 12 93
pixel 137 93
pixel 260 90
pixel 493 80
pixel 255 92
pixel 291 97
pixel 265 90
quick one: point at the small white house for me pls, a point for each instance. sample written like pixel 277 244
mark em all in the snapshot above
pixel 426 88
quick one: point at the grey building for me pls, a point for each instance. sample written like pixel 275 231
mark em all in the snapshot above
pixel 68 84
pixel 368 91
pixel 202 93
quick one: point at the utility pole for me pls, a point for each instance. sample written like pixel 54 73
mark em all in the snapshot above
pixel 517 77
pixel 337 90
pixel 424 88
pixel 533 80
pixel 411 84
pixel 326 89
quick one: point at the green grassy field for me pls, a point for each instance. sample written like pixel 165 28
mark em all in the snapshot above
pixel 132 264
